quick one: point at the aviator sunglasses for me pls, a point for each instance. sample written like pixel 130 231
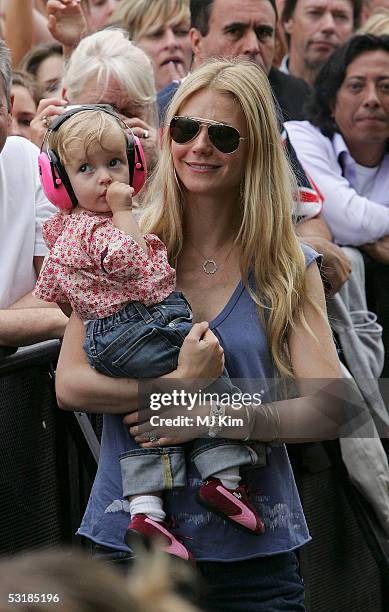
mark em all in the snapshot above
pixel 224 137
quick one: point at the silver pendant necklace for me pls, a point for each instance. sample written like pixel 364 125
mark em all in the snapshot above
pixel 209 265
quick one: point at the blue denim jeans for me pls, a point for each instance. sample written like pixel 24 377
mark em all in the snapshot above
pixel 139 341
pixel 144 342
pixel 263 584
pixel 147 470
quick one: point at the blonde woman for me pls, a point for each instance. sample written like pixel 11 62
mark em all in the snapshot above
pixel 221 202
pixel 161 29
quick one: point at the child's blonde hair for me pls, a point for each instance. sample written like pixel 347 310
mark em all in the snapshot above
pixel 84 129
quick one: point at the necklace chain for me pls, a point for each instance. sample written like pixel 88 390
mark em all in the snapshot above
pixel 209 265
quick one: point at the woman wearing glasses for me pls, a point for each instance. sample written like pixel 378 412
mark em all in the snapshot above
pixel 221 203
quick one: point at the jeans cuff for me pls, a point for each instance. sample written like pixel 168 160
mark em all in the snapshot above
pixel 212 459
pixel 150 470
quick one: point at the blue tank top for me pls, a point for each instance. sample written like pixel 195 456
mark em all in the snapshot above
pixel 272 487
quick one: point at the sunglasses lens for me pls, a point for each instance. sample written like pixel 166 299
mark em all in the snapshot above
pixel 183 130
pixel 224 137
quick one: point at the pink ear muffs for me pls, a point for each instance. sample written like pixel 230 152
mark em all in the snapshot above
pixel 52 183
pixel 54 179
pixel 138 167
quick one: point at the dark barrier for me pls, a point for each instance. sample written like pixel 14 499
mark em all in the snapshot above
pixel 346 565
pixel 30 506
pixel 46 471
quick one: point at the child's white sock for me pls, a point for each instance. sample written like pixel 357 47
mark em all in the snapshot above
pixel 151 505
pixel 230 478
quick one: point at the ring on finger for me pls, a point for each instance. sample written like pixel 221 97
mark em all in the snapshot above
pixel 153 437
pixel 145 134
pixel 45 121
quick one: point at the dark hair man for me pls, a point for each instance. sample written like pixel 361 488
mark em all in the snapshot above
pixel 345 148
pixel 226 28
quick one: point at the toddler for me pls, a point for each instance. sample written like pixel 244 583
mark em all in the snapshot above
pixel 121 285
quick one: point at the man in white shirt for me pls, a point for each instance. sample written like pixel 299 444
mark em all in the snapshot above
pixel 344 146
pixel 23 207
pixel 345 149
pixel 314 29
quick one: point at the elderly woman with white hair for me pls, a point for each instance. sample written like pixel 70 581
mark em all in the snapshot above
pixel 161 29
pixel 106 68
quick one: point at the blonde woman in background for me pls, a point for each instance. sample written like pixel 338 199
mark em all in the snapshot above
pixel 161 29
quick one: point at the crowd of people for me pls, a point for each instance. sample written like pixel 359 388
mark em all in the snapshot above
pixel 180 183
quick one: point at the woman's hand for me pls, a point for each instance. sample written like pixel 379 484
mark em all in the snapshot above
pixel 173 425
pixel 149 138
pixel 48 109
pixel 66 22
pixel 201 355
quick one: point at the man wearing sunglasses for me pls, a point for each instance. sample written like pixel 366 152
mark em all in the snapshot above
pixel 227 28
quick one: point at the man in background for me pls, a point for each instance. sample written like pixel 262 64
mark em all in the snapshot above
pixel 315 28
pixel 23 318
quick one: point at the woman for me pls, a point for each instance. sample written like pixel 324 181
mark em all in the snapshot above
pixel 26 96
pixel 161 29
pixel 222 194
pixel 107 68
pixel 46 64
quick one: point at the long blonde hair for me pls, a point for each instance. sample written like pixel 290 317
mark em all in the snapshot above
pixel 266 238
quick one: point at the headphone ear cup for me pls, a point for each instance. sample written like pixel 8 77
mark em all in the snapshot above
pixel 136 163
pixel 55 182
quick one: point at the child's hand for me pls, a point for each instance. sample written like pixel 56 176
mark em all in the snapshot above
pixel 119 196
